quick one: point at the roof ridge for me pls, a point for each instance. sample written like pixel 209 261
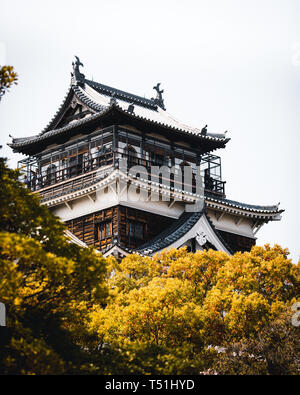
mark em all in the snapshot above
pixel 118 93
pixel 173 232
pixel 241 205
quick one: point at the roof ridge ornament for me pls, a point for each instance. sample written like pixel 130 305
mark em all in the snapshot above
pixel 201 238
pixel 204 130
pixel 113 100
pixel 131 108
pixel 159 99
pixel 79 77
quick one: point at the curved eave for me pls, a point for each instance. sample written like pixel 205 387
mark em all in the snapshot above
pixel 109 175
pixel 117 247
pixel 265 213
pixel 32 145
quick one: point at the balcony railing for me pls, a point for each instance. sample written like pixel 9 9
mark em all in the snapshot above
pixel 215 187
pixel 75 184
pixel 82 170
pixel 212 186
pixel 76 167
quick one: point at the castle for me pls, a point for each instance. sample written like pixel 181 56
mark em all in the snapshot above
pixel 125 176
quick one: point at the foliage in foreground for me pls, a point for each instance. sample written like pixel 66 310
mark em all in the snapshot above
pixel 69 310
pixel 8 77
pixel 275 351
pixel 181 313
pixel 46 283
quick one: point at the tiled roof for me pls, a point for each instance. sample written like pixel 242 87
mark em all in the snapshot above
pixel 178 229
pixel 173 233
pixel 122 95
pixel 100 99
pixel 20 142
pixel 143 110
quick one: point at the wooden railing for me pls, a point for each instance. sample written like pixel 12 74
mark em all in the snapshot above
pixel 74 169
pixel 89 170
pixel 76 183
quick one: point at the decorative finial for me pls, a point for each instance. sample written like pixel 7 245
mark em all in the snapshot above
pixel 77 64
pixel 76 72
pixel 159 99
pixel 130 108
pixel 204 130
pixel 113 99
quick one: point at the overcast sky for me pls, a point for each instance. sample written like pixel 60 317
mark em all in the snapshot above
pixel 231 64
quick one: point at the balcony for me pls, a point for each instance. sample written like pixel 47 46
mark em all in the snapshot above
pixel 73 167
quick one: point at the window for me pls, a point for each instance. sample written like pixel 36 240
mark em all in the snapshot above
pixel 132 157
pixel 103 230
pixel 130 229
pixel 51 174
pixel 135 230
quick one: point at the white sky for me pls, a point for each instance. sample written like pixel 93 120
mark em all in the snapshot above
pixel 231 64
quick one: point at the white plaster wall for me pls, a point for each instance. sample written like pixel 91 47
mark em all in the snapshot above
pixel 84 205
pixel 108 197
pixel 230 223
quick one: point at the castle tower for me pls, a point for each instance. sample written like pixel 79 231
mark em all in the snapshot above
pixel 125 176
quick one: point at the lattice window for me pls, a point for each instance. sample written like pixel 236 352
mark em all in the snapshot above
pixel 104 230
pixel 135 230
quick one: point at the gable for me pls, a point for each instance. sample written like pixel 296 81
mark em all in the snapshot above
pixel 71 109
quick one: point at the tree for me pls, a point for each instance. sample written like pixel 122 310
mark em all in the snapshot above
pixel 252 289
pixel 189 306
pixel 69 310
pixel 8 77
pixel 275 351
pixel 47 284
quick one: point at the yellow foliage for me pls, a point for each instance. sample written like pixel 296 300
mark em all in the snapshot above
pixel 206 298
